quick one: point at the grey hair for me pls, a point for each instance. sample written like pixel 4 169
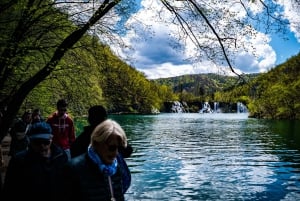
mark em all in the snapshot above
pixel 105 129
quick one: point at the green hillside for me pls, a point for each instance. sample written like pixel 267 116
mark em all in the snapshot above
pixel 273 95
pixel 202 85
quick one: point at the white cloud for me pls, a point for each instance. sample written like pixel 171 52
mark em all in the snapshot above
pixel 291 13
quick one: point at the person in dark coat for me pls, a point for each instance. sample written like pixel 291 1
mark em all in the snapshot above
pixel 96 115
pixel 36 174
pixel 36 116
pixel 100 173
pixel 18 133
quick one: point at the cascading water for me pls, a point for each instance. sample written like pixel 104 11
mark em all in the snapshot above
pixel 241 108
pixel 206 108
pixel 177 107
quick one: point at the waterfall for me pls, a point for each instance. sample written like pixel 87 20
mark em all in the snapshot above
pixel 177 107
pixel 216 107
pixel 241 108
pixel 206 108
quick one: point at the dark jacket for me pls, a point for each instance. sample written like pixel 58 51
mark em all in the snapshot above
pixel 85 182
pixel 81 143
pixel 18 143
pixel 32 177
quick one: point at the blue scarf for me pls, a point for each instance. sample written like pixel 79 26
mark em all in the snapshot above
pixel 108 170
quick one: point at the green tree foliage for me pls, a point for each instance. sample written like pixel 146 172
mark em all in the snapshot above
pixel 76 78
pixel 91 74
pixel 35 36
pixel 127 90
pixel 277 92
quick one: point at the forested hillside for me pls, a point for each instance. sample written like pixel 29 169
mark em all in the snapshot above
pixel 274 94
pixel 204 86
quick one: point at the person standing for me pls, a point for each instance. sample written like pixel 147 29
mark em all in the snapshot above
pixel 96 115
pixel 36 174
pixel 100 173
pixel 62 127
pixel 36 116
pixel 18 133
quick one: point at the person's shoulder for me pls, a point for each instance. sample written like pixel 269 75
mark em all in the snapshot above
pixel 86 133
pixel 19 123
pixel 77 161
pixel 58 151
pixel 20 156
pixel 69 118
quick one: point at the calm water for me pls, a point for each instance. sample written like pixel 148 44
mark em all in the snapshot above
pixel 212 157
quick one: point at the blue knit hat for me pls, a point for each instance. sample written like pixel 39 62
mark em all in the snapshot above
pixel 40 130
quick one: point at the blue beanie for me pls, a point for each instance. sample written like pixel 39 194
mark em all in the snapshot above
pixel 40 130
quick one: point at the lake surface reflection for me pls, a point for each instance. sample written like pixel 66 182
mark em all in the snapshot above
pixel 212 157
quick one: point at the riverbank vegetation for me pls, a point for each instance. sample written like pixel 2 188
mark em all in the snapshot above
pixel 273 95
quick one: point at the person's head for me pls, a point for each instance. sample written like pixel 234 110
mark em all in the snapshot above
pixel 40 136
pixel 106 139
pixel 96 115
pixel 61 107
pixel 36 115
pixel 19 129
pixel 26 117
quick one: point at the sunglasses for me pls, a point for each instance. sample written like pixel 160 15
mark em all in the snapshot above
pixel 40 141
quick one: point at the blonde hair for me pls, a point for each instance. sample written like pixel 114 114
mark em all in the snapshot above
pixel 105 129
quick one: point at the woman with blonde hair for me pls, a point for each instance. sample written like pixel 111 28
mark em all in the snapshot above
pixel 101 173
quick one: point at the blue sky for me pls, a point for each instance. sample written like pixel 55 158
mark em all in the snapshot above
pixel 285 48
pixel 152 48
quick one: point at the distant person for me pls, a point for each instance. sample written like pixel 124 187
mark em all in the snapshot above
pixel 18 133
pixel 62 127
pixel 96 115
pixel 36 116
pixel 101 173
pixel 36 174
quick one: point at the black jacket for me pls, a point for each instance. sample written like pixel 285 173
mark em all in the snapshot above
pixel 32 177
pixel 82 141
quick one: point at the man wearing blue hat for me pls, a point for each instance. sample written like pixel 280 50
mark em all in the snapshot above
pixel 36 173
